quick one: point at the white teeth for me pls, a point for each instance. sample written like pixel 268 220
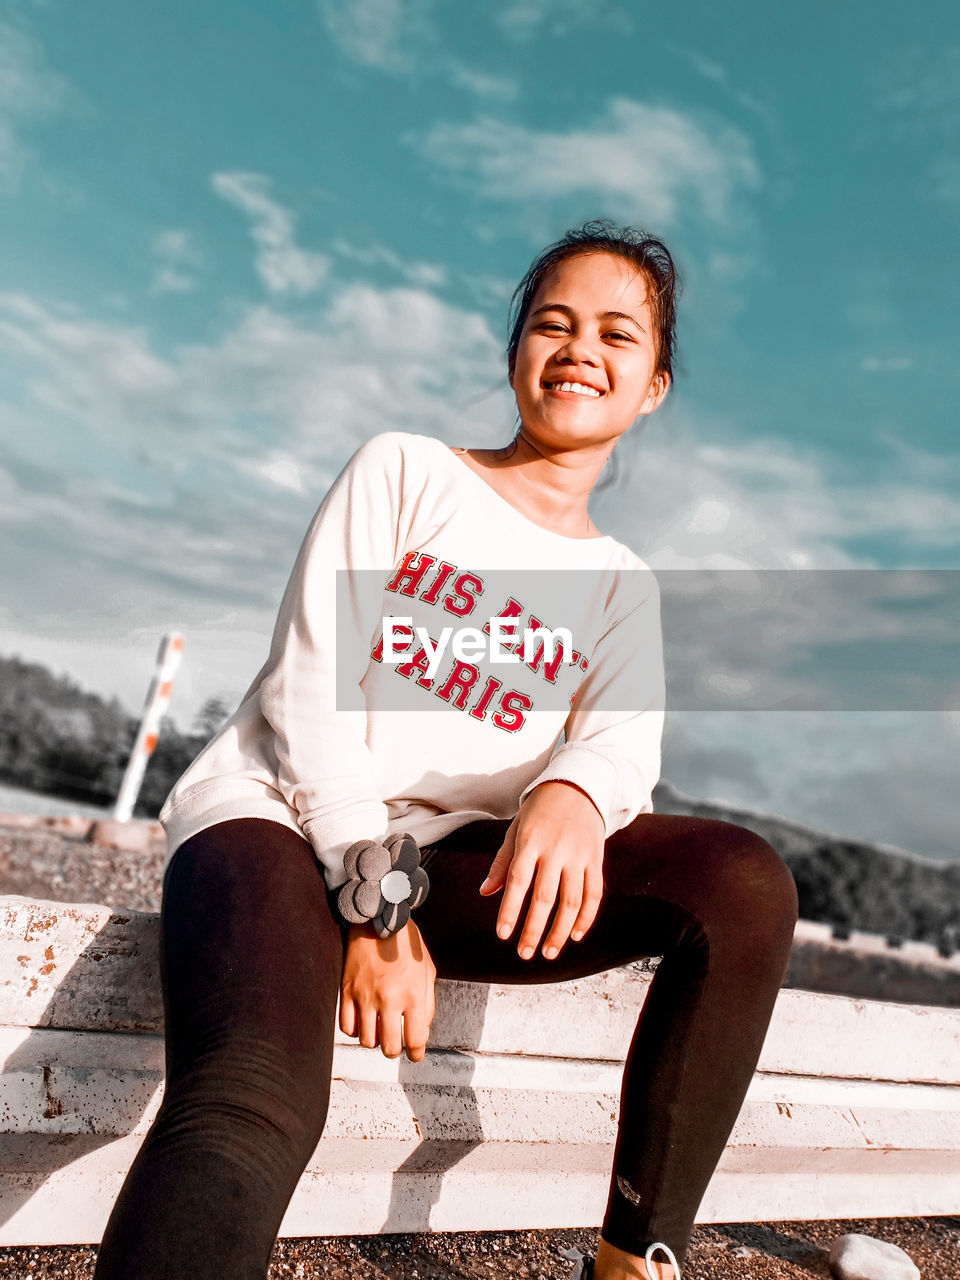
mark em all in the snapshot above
pixel 577 387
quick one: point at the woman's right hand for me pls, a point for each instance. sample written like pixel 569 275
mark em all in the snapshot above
pixel 387 991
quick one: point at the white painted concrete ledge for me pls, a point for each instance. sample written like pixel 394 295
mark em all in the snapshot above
pixel 854 1110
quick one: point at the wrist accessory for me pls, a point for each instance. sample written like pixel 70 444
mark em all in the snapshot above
pixel 386 883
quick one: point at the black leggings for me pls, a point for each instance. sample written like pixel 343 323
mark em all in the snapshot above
pixel 251 963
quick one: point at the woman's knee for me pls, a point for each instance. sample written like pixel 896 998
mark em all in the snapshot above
pixel 748 880
pixel 257 1108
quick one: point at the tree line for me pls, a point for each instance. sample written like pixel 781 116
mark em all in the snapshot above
pixel 61 740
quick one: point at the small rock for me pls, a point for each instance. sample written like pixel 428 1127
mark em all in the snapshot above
pixel 132 836
pixel 856 1257
pixel 68 825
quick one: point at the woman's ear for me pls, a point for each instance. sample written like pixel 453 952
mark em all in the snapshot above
pixel 659 386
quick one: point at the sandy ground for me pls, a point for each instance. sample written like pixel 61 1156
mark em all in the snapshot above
pixel 48 865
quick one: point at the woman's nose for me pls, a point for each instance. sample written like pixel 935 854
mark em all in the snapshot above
pixel 579 349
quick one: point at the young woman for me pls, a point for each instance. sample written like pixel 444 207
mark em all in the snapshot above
pixel 290 884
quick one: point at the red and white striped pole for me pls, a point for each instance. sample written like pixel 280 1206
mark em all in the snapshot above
pixel 158 698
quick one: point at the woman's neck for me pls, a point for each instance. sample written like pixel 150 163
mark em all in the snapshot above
pixel 551 489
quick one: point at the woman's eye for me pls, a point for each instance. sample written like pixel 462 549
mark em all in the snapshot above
pixel 624 336
pixel 551 326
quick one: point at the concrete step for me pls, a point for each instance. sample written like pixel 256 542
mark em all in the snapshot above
pixel 87 968
pixel 59 1190
pixel 61 1082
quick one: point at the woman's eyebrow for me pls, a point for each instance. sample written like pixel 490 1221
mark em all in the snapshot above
pixel 554 306
pixel 620 315
pixel 601 315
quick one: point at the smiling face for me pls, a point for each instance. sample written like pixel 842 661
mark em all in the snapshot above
pixel 585 364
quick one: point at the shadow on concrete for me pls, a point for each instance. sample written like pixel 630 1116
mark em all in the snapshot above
pixel 447 1134
pixel 60 1133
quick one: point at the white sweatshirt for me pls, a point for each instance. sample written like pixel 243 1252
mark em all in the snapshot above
pixel 336 741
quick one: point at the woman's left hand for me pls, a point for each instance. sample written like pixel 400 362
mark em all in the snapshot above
pixel 556 842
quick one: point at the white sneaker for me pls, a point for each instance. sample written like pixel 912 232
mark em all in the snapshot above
pixel 583 1268
pixel 664 1248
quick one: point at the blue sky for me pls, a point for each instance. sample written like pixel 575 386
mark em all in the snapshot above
pixel 240 240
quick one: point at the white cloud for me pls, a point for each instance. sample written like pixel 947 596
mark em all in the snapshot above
pixel 643 161
pixel 710 517
pixel 114 655
pixel 284 472
pixel 782 506
pixel 178 260
pixel 384 34
pixel 887 364
pixel 427 275
pixel 167 279
pixel 943 175
pixel 29 88
pixel 103 375
pixel 884 776
pixel 484 84
pixel 402 37
pixel 526 19
pixel 919 88
pixel 280 402
pixel 922 83
pixel 281 264
pixel 174 459
pixel 192 476
pixel 719 75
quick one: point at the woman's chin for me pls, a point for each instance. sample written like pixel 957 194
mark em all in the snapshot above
pixel 568 435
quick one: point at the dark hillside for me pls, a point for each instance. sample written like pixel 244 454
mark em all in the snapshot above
pixel 59 739
pixel 851 884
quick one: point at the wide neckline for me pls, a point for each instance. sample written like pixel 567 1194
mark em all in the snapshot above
pixel 498 497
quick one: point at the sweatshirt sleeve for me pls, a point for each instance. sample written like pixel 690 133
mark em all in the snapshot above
pixel 325 769
pixel 611 746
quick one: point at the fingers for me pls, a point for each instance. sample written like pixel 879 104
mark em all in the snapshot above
pixel 556 845
pixel 515 890
pixel 568 912
pixel 542 902
pixel 387 992
pixel 592 896
pixel 387 1027
pixel 367 1030
pixel 497 875
pixel 372 1027
pixel 348 1016
pixel 392 1031
pixel 573 893
pixel 410 1031
pixel 391 1038
pixel 580 896
pixel 416 1030
pixel 418 1018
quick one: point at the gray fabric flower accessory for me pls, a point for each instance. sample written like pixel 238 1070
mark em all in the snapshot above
pixel 386 883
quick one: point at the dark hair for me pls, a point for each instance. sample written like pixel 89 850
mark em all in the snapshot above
pixel 648 254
